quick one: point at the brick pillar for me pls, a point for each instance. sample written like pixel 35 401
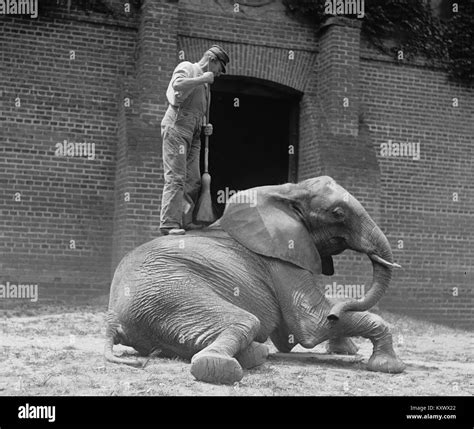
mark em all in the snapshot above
pixel 342 139
pixel 335 140
pixel 338 75
pixel 139 171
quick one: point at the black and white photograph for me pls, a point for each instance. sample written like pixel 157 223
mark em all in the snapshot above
pixel 251 198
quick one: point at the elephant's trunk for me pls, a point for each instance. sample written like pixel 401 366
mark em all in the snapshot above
pixel 377 247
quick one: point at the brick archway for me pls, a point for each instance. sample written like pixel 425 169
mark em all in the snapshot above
pixel 291 68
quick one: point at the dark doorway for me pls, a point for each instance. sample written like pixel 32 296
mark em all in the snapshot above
pixel 254 125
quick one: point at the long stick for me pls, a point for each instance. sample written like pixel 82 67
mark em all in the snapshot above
pixel 206 137
pixel 205 212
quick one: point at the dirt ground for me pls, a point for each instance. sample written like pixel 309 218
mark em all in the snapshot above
pixel 58 351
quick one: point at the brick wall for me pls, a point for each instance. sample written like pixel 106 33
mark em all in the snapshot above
pixel 139 173
pixel 410 103
pixel 68 198
pixel 111 204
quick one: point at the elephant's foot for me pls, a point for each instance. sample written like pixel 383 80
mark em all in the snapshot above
pixel 254 355
pixel 384 359
pixel 215 368
pixel 341 346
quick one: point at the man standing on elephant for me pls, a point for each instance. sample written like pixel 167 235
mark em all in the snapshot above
pixel 188 95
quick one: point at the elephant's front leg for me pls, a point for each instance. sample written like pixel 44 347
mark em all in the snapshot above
pixel 340 345
pixel 305 310
pixel 373 327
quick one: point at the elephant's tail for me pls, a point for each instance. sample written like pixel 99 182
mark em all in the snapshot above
pixel 110 335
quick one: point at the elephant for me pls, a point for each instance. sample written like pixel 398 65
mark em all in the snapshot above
pixel 215 295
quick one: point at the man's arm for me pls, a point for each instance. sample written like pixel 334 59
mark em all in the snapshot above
pixel 185 83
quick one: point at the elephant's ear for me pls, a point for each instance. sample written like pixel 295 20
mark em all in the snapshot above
pixel 266 221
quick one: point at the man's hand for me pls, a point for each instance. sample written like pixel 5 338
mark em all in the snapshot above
pixel 208 130
pixel 208 77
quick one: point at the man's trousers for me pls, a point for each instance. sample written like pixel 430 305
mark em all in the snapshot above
pixel 181 135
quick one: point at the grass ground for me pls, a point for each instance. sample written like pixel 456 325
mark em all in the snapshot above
pixel 58 351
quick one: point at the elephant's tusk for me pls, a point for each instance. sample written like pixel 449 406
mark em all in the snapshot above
pixel 382 261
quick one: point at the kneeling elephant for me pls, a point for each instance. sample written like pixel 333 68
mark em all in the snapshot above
pixel 215 295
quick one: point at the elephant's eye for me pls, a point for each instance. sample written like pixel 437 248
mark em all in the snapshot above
pixel 338 213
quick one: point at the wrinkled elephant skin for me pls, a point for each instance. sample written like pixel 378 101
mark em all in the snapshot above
pixel 215 295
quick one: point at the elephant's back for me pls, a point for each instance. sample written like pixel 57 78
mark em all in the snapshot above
pixel 176 271
pixel 212 251
pixel 223 263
